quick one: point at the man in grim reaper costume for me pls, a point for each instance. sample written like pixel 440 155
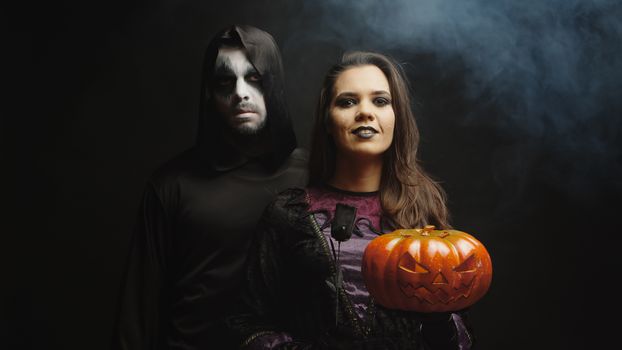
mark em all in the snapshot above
pixel 199 210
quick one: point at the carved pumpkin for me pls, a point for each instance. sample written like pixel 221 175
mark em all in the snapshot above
pixel 426 270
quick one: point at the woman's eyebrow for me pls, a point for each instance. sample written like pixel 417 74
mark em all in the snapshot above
pixel 353 94
pixel 347 94
pixel 381 92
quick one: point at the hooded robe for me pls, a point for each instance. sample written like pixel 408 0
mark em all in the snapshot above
pixel 187 254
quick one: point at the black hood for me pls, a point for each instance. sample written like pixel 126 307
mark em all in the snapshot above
pixel 263 53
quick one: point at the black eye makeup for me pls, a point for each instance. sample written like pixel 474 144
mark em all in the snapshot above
pixel 224 80
pixel 345 102
pixel 382 101
pixel 223 69
pixel 253 77
pixel 348 100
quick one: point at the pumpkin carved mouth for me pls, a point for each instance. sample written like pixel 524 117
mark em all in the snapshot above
pixel 418 281
pixel 424 294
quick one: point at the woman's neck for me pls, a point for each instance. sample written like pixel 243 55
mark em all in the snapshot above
pixel 357 174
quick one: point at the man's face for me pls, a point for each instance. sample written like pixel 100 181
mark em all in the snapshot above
pixel 237 92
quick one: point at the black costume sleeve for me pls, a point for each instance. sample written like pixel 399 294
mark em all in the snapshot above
pixel 441 331
pixel 260 309
pixel 139 324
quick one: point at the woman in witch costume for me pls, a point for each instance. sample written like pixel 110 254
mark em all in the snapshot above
pixel 305 287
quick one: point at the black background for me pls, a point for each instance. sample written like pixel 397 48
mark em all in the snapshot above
pixel 104 92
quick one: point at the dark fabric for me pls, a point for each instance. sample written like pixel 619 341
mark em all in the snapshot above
pixel 291 289
pixel 185 265
pixel 188 251
pixel 271 341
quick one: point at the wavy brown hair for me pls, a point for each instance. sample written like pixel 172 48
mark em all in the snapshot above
pixel 409 197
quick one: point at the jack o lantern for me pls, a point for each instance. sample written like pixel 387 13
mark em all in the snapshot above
pixel 426 270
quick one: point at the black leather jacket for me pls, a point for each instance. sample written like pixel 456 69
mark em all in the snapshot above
pixel 291 289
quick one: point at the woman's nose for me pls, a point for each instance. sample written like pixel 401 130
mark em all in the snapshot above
pixel 364 115
pixel 365 112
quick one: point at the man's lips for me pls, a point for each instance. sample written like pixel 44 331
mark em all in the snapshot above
pixel 244 111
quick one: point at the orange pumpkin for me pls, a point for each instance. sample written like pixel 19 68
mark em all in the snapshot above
pixel 426 270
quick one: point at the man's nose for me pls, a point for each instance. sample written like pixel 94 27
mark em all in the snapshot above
pixel 242 92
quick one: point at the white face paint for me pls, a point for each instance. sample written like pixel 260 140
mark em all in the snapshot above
pixel 237 92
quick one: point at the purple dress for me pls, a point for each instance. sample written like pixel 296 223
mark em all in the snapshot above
pixel 368 224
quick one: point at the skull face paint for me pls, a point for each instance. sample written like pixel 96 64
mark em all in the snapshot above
pixel 237 92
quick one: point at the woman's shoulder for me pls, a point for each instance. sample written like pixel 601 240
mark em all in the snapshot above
pixel 288 203
pixel 291 197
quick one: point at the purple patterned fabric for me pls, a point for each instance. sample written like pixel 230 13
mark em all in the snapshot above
pixel 464 339
pixel 368 215
pixel 269 341
pixel 367 203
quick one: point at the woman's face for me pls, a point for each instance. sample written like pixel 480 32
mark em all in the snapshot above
pixel 361 114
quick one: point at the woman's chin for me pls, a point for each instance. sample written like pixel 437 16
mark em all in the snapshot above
pixel 369 152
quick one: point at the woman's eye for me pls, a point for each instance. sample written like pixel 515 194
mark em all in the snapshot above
pixel 381 101
pixel 346 102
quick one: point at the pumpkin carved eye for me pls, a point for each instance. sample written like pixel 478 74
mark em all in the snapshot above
pixel 469 265
pixel 409 264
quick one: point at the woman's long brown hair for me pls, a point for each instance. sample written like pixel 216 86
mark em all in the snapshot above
pixel 409 197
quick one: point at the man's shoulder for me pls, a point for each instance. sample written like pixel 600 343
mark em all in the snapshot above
pixel 296 165
pixel 300 155
pixel 181 166
pixel 297 159
pixel 191 166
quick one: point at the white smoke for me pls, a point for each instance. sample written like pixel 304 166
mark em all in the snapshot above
pixel 553 67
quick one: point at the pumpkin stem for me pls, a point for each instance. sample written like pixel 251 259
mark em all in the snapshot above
pixel 427 229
